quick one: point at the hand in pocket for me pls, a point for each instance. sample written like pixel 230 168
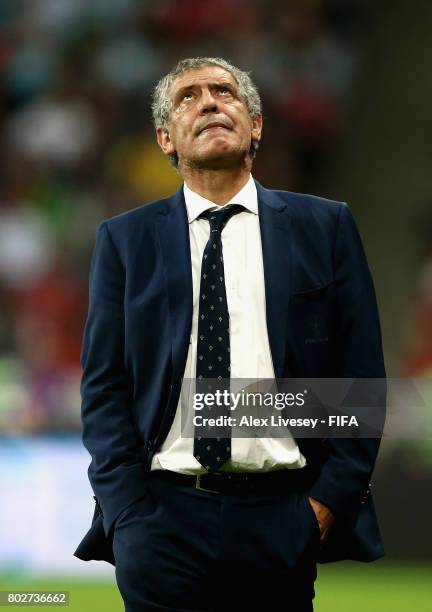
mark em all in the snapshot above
pixel 324 517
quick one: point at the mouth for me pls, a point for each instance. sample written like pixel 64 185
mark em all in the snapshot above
pixel 214 125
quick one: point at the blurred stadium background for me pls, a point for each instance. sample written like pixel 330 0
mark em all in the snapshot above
pixel 347 93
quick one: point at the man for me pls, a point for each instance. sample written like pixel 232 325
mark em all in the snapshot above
pixel 236 523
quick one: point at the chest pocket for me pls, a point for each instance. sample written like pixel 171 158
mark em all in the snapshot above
pixel 312 314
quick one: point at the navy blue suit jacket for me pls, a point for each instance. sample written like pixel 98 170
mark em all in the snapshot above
pixel 136 341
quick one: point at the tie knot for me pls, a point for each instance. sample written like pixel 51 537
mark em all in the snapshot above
pixel 219 218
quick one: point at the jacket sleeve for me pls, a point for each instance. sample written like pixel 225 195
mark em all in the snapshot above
pixel 116 471
pixel 344 481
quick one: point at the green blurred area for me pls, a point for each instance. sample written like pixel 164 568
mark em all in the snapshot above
pixel 375 588
pixel 340 588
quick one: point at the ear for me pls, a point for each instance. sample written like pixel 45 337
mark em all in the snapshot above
pixel 164 141
pixel 256 127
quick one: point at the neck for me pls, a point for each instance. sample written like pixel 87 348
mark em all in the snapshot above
pixel 218 186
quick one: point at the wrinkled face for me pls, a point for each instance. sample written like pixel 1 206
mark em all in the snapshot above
pixel 209 125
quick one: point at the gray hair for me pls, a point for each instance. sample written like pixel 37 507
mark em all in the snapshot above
pixel 161 101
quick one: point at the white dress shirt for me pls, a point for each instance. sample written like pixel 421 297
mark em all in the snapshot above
pixel 249 344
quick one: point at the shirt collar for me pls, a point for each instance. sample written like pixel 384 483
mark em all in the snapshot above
pixel 196 204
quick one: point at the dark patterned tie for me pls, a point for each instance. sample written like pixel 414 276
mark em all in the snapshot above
pixel 213 342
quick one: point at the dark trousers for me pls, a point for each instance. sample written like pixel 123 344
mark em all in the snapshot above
pixel 185 549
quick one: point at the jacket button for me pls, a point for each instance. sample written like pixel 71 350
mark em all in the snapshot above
pixel 149 445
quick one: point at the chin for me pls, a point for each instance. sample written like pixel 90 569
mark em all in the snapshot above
pixel 219 158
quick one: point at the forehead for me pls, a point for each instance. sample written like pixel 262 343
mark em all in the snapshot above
pixel 201 77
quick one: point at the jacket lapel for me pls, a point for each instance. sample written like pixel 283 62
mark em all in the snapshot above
pixel 275 224
pixel 173 232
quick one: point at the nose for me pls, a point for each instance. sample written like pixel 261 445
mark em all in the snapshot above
pixel 208 103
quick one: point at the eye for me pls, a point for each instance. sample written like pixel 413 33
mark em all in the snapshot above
pixel 224 90
pixel 187 96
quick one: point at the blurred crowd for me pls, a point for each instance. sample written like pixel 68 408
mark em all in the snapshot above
pixel 78 146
